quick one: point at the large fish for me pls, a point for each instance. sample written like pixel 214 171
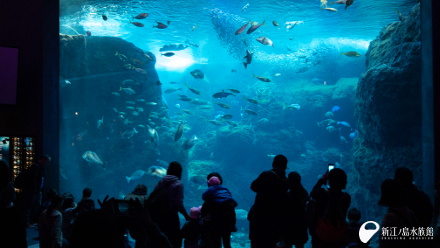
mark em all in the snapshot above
pixel 250 112
pixel 172 47
pixel 188 144
pixel 197 92
pixel 135 176
pixel 348 3
pixel 160 25
pixel 223 105
pixel 240 30
pixel 153 135
pixel 198 74
pixel 157 171
pixel 265 41
pixel 92 158
pixel 254 27
pixel 179 132
pixel 267 80
pixel 248 58
pixel 221 94
pixel 351 54
pixel 141 16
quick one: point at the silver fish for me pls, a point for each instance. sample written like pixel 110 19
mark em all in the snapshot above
pixel 157 171
pixel 153 135
pixel 92 158
pixel 265 41
pixel 135 176
pixel 179 132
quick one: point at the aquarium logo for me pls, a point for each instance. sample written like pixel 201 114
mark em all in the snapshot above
pixel 366 234
pixel 395 233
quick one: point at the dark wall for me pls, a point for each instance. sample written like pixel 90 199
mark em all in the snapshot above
pixel 18 30
pixel 32 26
pixel 436 87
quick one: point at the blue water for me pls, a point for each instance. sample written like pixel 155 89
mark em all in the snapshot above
pixel 306 58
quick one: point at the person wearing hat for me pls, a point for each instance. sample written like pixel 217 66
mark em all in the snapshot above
pixel 267 215
pixel 192 228
pixel 140 192
pixel 218 214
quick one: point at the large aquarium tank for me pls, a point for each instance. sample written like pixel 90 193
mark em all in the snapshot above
pixel 226 85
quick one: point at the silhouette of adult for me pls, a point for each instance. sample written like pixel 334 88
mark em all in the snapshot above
pixel 218 213
pixel 168 220
pixel 398 216
pixel 416 200
pixel 32 190
pixel 267 215
pixel 296 229
pixel 331 206
pixel 12 228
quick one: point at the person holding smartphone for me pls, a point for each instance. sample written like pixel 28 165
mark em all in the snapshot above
pixel 331 206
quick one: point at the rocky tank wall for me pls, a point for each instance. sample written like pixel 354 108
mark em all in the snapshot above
pixel 111 106
pixel 388 111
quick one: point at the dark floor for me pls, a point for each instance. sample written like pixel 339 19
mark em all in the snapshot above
pixel 32 237
pixel 33 242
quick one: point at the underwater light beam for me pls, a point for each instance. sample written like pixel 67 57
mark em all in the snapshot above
pixel 178 62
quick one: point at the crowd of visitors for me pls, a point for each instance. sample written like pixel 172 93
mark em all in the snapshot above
pixel 284 214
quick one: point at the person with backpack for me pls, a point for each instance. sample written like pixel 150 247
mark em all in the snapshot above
pixel 166 202
pixel 331 210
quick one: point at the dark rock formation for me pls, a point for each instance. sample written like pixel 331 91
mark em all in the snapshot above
pixel 110 94
pixel 388 110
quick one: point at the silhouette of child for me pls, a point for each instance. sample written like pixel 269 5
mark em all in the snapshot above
pixel 191 229
pixel 86 204
pixel 354 215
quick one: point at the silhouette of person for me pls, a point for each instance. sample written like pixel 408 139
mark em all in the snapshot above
pixel 296 229
pixel 331 205
pixel 218 214
pixel 267 215
pixel 12 226
pixel 86 204
pixel 169 222
pixel 100 228
pixel 140 192
pixel 397 217
pixel 68 210
pixel 191 230
pixel 50 225
pixel 416 200
pixel 32 190
pixel 354 215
